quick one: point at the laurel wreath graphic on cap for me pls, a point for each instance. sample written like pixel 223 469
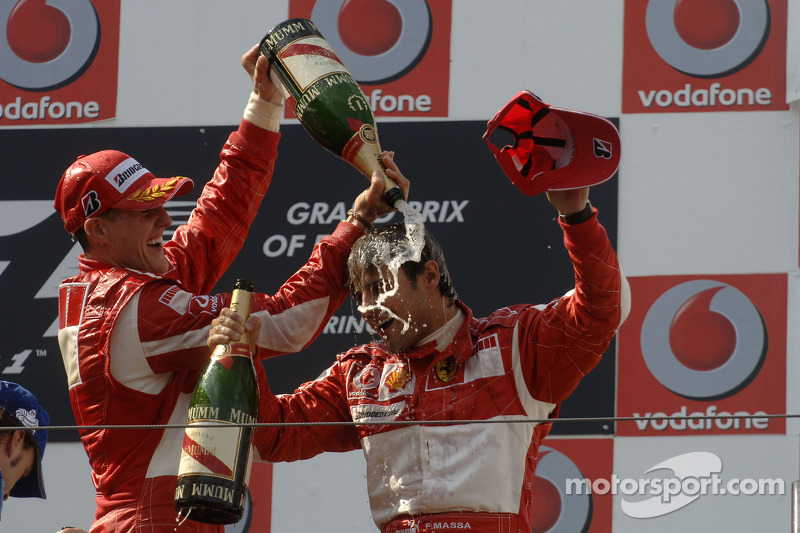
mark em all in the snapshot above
pixel 155 192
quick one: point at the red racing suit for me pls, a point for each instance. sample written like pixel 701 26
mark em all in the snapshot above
pixel 134 343
pixel 521 361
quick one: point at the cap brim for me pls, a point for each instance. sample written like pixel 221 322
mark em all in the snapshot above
pixel 155 193
pixel 597 151
pixel 32 485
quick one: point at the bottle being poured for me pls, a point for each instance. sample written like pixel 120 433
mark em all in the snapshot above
pixel 325 98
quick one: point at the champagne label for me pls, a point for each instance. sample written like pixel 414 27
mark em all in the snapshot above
pixel 363 151
pixel 211 450
pixel 309 59
pixel 364 134
pixel 314 68
pixel 223 353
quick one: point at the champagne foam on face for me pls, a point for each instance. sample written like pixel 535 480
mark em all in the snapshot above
pixel 393 255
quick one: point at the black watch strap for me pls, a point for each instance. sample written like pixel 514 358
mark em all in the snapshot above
pixel 581 216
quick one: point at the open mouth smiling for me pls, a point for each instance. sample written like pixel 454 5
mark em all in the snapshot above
pixel 385 326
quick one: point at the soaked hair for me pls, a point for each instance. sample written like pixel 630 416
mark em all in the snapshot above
pixel 367 251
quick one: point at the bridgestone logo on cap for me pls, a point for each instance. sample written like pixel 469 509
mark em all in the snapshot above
pixel 125 174
pixel 603 149
pixel 91 203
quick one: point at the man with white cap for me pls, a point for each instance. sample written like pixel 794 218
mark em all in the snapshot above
pixel 21 442
pixel 133 322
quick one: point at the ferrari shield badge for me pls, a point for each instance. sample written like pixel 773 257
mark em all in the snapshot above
pixel 446 369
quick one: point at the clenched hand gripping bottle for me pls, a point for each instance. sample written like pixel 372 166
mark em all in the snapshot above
pixel 325 98
pixel 216 456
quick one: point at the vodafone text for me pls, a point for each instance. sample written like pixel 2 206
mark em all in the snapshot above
pixel 47 109
pixel 681 421
pixel 713 96
pixel 404 103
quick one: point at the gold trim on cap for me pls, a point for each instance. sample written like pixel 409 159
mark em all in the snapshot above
pixel 155 192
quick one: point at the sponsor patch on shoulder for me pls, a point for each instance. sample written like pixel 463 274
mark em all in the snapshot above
pixel 176 299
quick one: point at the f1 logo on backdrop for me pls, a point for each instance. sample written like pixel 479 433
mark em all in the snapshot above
pixel 704 55
pixel 58 61
pixel 563 464
pixel 398 51
pixel 704 349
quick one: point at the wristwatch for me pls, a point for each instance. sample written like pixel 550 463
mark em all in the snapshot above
pixel 581 216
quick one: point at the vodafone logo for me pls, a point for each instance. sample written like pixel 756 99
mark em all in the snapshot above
pixel 46 44
pixel 703 340
pixel 704 55
pixel 385 52
pixel 58 61
pixel 708 38
pixel 554 511
pixel 708 355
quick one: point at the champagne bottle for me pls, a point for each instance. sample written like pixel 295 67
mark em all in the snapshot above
pixel 216 457
pixel 325 98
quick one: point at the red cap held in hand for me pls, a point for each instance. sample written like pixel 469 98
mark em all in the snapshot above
pixel 554 148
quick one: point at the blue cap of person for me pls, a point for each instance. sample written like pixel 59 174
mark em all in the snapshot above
pixel 19 403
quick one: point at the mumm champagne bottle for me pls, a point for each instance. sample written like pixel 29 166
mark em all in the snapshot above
pixel 324 96
pixel 216 457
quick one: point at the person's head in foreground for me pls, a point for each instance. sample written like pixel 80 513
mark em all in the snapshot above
pixel 21 443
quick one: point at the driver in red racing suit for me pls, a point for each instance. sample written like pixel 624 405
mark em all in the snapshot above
pixel 133 323
pixel 436 362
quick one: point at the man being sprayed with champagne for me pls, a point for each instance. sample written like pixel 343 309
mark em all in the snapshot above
pixel 134 321
pixel 435 362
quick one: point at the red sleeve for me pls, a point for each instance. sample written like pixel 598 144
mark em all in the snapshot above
pixel 566 339
pixel 299 311
pixel 173 323
pixel 173 326
pixel 203 249
pixel 321 400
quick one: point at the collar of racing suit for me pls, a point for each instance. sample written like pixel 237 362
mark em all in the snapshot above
pixel 447 340
pixel 443 336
